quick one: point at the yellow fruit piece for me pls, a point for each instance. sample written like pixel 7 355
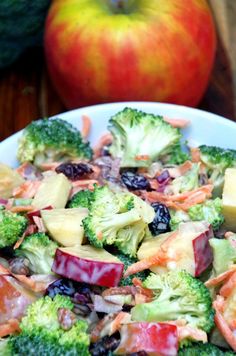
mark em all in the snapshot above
pixel 65 225
pixel 229 199
pixel 54 191
pixel 9 179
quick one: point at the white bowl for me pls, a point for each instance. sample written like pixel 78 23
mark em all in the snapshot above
pixel 205 128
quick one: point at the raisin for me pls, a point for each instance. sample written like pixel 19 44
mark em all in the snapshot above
pixel 161 221
pixel 104 345
pixel 135 181
pixel 74 171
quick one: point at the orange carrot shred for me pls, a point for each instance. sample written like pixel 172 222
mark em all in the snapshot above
pixel 142 157
pixel 177 123
pixel 11 327
pixel 195 154
pixel 221 278
pixel 86 126
pixel 106 139
pixel 224 327
pixel 228 286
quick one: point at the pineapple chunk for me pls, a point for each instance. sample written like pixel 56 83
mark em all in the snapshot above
pixel 54 191
pixel 229 199
pixel 65 225
pixel 9 179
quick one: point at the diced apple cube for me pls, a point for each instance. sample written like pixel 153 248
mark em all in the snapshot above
pixel 88 264
pixel 65 225
pixel 54 191
pixel 9 179
pixel 189 247
pixel 229 199
pixel 14 299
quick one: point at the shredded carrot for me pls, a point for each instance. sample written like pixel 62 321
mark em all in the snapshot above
pixel 228 286
pixel 177 123
pixel 142 158
pixel 86 126
pixel 106 139
pixel 83 182
pixel 121 318
pixel 195 154
pixel 181 201
pixel 153 184
pixel 144 291
pixel 159 259
pixel 49 166
pixel 22 208
pixel 221 278
pixel 29 231
pixel 99 235
pixel 224 327
pixel 26 190
pixel 30 283
pixel 11 327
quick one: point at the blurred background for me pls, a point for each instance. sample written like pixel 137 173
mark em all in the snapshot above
pixel 26 92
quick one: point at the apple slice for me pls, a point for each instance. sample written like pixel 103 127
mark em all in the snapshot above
pixel 153 338
pixel 189 247
pixel 53 191
pixel 65 225
pixel 14 299
pixel 88 264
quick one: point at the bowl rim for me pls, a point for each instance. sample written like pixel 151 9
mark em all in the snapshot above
pixel 99 107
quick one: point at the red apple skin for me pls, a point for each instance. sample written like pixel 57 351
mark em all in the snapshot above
pixel 14 299
pixel 106 274
pixel 154 338
pixel 202 251
pixel 164 53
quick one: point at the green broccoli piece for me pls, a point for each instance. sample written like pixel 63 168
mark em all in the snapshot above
pixel 128 261
pixel 12 226
pixel 200 349
pixel 177 156
pixel 210 211
pixel 81 199
pixel 40 251
pixel 178 295
pixel 216 160
pixel 6 347
pixel 224 255
pixel 49 140
pixel 117 219
pixel 136 133
pixel 177 217
pixel 42 334
pixel 186 182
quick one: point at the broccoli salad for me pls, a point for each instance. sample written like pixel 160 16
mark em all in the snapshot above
pixel 126 248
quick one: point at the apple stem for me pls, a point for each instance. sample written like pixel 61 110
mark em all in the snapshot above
pixel 121 6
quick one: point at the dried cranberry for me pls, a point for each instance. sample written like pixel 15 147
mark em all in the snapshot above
pixel 61 286
pixel 104 345
pixel 74 171
pixel 161 221
pixel 135 181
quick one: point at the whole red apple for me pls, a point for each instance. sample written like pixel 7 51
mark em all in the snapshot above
pixel 150 50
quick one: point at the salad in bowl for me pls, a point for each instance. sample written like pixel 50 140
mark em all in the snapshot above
pixel 123 247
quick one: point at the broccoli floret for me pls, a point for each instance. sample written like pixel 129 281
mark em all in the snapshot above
pixel 117 219
pixel 200 349
pixel 42 334
pixel 6 347
pixel 40 251
pixel 186 182
pixel 177 155
pixel 136 134
pixel 49 140
pixel 178 295
pixel 216 160
pixel 224 255
pixel 210 211
pixel 128 261
pixel 12 226
pixel 177 217
pixel 81 199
